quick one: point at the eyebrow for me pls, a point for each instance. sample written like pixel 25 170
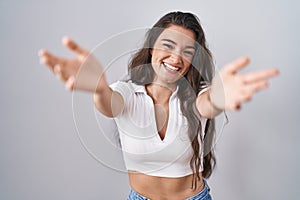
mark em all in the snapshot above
pixel 171 41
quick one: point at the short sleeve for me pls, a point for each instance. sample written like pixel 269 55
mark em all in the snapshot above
pixel 126 91
pixel 205 88
pixel 122 88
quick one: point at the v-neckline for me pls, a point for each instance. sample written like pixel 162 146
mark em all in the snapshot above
pixel 153 116
pixel 166 135
pixel 155 122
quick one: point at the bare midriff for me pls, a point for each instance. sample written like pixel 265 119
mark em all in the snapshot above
pixel 163 188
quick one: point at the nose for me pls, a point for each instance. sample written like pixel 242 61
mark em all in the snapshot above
pixel 176 57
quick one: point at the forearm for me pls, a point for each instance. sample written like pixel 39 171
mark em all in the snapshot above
pixel 108 102
pixel 205 106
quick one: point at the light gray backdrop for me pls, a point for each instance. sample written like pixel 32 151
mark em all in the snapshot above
pixel 48 147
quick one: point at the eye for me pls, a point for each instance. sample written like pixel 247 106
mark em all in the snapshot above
pixel 188 53
pixel 168 46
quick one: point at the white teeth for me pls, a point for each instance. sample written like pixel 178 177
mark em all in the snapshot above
pixel 171 67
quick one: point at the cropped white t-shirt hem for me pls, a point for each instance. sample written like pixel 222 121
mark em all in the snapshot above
pixel 143 149
pixel 169 175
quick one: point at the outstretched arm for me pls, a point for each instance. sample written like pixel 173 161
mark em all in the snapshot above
pixel 84 73
pixel 230 89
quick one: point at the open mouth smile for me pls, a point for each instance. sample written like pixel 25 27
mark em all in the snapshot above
pixel 171 68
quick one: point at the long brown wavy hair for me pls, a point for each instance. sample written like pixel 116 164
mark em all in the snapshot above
pixel 198 77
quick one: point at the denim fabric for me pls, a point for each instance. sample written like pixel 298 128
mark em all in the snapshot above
pixel 135 196
pixel 203 195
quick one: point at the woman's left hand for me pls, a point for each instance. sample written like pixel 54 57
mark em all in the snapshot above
pixel 230 89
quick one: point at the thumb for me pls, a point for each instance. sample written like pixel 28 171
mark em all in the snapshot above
pixel 237 65
pixel 70 83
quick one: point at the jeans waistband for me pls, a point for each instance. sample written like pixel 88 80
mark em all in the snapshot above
pixel 202 195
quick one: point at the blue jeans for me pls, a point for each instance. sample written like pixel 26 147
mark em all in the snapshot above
pixel 203 195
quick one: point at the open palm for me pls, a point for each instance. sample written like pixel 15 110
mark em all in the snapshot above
pixel 81 73
pixel 230 89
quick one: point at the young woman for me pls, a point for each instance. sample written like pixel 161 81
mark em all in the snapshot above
pixel 165 112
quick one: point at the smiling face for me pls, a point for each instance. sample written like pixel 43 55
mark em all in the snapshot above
pixel 172 54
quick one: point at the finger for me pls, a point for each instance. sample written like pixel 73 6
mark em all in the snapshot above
pixel 49 59
pixel 236 106
pixel 58 72
pixel 70 83
pixel 259 75
pixel 257 86
pixel 237 65
pixel 246 97
pixel 73 46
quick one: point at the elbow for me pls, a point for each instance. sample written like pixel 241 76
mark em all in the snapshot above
pixel 100 107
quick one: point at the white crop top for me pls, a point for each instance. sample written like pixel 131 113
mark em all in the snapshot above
pixel 143 149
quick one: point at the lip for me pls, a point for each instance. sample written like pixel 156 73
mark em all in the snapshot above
pixel 168 67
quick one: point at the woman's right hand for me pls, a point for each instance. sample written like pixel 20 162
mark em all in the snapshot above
pixel 81 73
pixel 230 89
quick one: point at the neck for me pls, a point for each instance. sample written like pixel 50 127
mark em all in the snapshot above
pixel 160 93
